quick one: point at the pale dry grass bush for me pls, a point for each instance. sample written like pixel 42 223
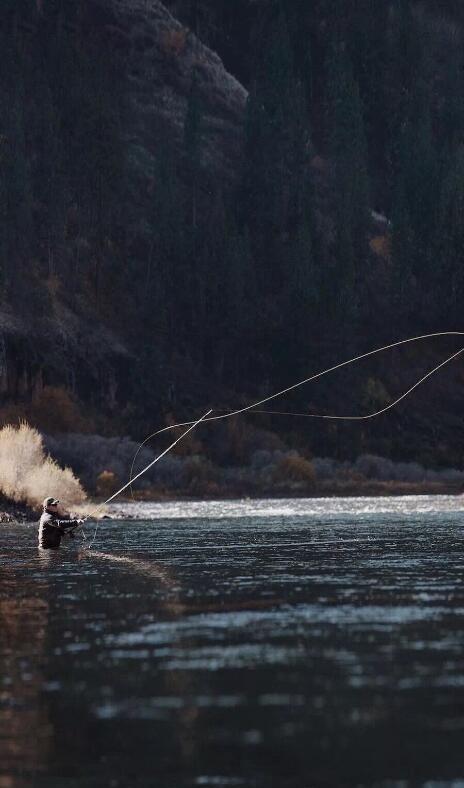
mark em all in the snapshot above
pixel 28 474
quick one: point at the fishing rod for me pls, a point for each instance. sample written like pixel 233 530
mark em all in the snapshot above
pixel 147 468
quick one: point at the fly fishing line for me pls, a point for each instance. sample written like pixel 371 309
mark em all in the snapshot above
pixel 253 408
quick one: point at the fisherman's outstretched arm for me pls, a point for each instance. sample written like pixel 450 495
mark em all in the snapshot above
pixel 68 523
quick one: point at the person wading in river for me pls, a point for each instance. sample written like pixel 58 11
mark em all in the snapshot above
pixel 52 526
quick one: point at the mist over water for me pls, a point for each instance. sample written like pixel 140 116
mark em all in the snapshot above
pixel 250 643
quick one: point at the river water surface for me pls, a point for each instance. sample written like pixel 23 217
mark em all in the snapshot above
pixel 266 643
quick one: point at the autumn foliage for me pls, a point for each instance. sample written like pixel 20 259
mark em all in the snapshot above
pixel 28 474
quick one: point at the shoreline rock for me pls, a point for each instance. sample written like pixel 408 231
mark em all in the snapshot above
pixel 13 512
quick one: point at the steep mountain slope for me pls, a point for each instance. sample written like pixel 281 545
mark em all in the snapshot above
pixel 170 239
pixel 73 332
pixel 162 57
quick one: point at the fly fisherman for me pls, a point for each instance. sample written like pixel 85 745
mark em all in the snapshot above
pixel 53 526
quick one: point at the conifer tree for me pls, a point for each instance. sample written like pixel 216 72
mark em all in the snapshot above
pixel 367 43
pixel 192 143
pixel 452 115
pixel 277 148
pixel 304 295
pixel 403 293
pixel 48 176
pixel 447 278
pixel 404 65
pixel 347 145
pixel 415 195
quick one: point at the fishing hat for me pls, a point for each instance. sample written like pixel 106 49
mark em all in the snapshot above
pixel 50 502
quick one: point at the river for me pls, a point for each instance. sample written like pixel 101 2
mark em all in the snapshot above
pixel 253 643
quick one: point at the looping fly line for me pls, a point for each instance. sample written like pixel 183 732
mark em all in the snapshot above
pixel 255 407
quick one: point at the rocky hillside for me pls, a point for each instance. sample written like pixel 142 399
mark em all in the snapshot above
pixel 68 342
pixel 162 57
pixel 178 231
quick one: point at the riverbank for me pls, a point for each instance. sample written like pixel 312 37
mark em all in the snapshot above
pixel 367 489
pixel 12 512
pixel 100 466
pixel 264 467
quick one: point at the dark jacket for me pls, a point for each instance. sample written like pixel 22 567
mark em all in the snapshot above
pixel 52 529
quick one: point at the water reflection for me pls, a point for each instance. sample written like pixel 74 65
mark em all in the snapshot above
pixel 175 684
pixel 267 651
pixel 26 733
pixel 147 569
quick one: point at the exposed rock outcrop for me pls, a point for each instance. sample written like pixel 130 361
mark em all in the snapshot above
pixel 161 57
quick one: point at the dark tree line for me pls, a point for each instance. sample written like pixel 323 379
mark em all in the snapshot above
pixel 352 107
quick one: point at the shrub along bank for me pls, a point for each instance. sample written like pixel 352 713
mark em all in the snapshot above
pixel 104 464
pixel 242 463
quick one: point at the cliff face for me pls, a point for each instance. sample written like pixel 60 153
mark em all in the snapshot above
pixel 161 57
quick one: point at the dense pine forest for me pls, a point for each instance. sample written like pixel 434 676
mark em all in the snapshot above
pixel 142 280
